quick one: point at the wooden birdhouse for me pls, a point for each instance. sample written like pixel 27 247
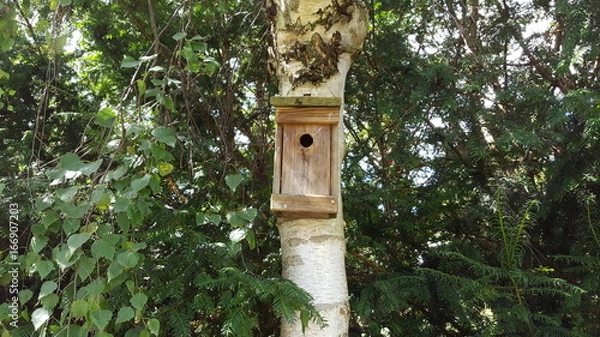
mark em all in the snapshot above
pixel 306 178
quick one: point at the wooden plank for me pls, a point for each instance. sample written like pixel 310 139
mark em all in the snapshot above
pixel 307 115
pixel 306 169
pixel 277 161
pixel 337 148
pixel 305 101
pixel 299 204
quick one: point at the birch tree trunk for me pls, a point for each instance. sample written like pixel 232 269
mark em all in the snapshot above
pixel 315 42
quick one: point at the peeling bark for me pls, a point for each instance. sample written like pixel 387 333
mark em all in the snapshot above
pixel 315 42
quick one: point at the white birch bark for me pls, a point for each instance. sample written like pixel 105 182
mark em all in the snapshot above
pixel 315 42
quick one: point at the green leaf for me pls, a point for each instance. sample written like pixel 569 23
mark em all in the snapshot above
pixel 190 55
pixel 214 218
pixel 105 117
pixel 200 218
pixel 6 43
pixel 250 238
pixel 4 74
pixel 43 202
pixel 43 268
pixel 123 222
pixel 125 314
pixel 39 317
pixel 248 214
pixel 128 259
pixel 165 168
pixel 304 319
pixel 179 36
pixel 103 334
pixel 117 173
pixel 135 246
pixel 96 288
pixel 2 186
pixel 80 308
pixel 38 243
pixel 77 240
pixel 38 229
pixel 63 257
pixel 114 270
pixel 72 210
pixel 85 267
pixel 153 326
pixel 103 248
pixel 237 235
pixel 134 214
pixel 50 301
pixel 139 300
pixel 129 62
pixel 152 92
pixel 139 183
pixel 158 151
pixel 71 225
pixel 233 181
pixel 145 145
pixel 165 135
pixel 211 66
pixel 47 288
pixel 235 220
pixel 199 46
pixel 70 161
pixel 65 2
pixel 168 103
pixel 100 198
pixel 72 330
pixel 59 42
pixel 130 285
pixel 158 82
pixel 92 167
pixel 90 228
pixel 49 218
pixel 121 204
pixel 25 295
pixel 155 186
pixel 66 194
pixel 57 175
pixel 141 86
pixel 31 259
pixel 101 318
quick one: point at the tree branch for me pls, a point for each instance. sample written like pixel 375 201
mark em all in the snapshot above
pixel 29 26
pixel 561 83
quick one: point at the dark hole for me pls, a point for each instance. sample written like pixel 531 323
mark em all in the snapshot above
pixel 306 140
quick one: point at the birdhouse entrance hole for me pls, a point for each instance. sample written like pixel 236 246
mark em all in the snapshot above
pixel 306 140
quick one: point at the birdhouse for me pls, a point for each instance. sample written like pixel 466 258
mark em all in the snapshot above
pixel 306 177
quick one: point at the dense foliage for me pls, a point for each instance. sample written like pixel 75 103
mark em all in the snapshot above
pixel 136 165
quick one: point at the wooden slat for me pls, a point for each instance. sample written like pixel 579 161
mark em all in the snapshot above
pixel 337 149
pixel 305 101
pixel 277 160
pixel 306 170
pixel 309 204
pixel 309 115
